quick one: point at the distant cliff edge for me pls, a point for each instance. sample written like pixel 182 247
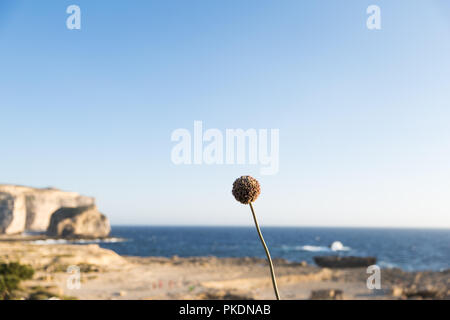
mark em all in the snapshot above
pixel 30 209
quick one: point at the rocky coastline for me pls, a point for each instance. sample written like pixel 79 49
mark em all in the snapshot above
pixel 58 213
pixel 103 274
pixel 43 229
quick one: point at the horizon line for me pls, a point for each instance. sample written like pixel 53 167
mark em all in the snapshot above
pixel 281 226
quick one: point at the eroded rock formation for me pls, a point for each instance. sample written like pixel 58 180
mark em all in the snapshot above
pixel 337 262
pixel 29 209
pixel 81 222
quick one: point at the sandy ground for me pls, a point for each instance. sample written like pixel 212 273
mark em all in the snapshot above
pixel 106 275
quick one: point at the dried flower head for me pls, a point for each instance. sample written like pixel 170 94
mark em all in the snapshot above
pixel 246 189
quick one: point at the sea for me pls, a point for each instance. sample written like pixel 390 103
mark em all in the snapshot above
pixel 408 249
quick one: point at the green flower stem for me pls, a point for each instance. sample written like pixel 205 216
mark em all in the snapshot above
pixel 272 272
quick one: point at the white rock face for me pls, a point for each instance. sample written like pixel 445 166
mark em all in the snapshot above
pixel 13 213
pixel 30 209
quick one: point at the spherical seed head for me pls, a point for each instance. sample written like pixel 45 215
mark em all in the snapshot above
pixel 246 189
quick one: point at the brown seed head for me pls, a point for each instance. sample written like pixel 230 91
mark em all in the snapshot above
pixel 246 189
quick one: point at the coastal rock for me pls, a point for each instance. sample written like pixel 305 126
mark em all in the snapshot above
pixel 397 291
pixel 81 222
pixel 225 294
pixel 58 257
pixel 424 292
pixel 29 209
pixel 335 262
pixel 326 294
pixel 42 203
pixel 13 213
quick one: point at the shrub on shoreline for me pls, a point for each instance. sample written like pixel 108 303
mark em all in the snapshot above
pixel 11 274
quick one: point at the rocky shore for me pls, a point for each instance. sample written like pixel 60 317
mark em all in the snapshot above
pixel 106 275
pixel 58 213
pixel 30 209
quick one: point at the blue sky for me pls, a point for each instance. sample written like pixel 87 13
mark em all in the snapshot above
pixel 363 115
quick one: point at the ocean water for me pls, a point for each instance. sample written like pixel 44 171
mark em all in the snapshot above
pixel 407 249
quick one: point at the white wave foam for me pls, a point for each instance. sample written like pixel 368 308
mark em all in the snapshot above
pixel 337 246
pixel 312 248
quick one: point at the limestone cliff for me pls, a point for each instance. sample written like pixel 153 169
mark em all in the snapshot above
pixel 13 213
pixel 30 209
pixel 81 222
